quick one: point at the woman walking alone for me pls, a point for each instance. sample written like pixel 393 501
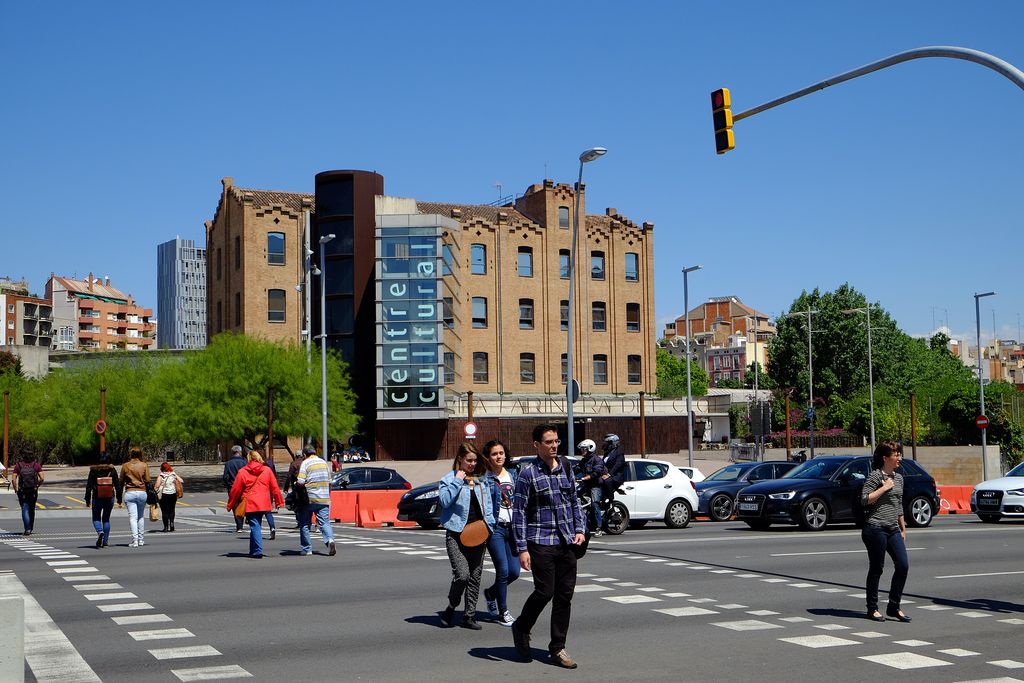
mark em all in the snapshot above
pixel 169 488
pixel 134 480
pixel 257 486
pixel 885 530
pixel 465 498
pixel 102 487
pixel 501 546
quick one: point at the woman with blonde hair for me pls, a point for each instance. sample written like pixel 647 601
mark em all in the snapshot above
pixel 256 488
pixel 135 482
pixel 466 504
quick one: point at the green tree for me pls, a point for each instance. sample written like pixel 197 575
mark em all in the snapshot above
pixel 671 372
pixel 728 383
pixel 9 363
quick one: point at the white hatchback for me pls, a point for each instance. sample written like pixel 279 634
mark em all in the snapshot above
pixel 656 490
pixel 997 498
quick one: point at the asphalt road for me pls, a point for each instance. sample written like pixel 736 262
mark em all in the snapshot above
pixel 708 603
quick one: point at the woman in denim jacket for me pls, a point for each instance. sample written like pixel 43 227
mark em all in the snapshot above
pixel 501 546
pixel 465 497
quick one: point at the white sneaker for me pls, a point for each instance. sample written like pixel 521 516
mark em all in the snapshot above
pixel 141 543
pixel 133 544
pixel 506 619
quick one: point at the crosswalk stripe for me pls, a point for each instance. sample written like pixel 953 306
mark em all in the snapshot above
pixel 125 607
pixel 905 660
pixel 141 619
pixel 93 597
pixel 211 673
pixel 161 634
pixel 185 652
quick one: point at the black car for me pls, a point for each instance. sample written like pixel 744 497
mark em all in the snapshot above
pixel 716 494
pixel 827 489
pixel 368 479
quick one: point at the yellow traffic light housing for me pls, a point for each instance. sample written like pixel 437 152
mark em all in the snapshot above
pixel 721 111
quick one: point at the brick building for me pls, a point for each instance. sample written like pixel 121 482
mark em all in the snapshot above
pixel 25 320
pixel 91 315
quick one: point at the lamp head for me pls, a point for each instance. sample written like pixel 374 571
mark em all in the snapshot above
pixel 978 296
pixel 691 269
pixel 591 154
pixel 326 238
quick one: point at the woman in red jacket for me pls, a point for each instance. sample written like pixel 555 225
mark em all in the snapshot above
pixel 256 487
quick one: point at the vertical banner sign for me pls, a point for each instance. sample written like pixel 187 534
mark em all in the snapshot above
pixel 410 373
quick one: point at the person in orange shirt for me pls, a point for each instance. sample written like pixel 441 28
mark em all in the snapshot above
pixel 256 488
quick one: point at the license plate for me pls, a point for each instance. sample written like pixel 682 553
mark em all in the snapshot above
pixel 747 506
pixel 988 503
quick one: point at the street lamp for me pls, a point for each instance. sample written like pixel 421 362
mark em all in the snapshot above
pixel 871 376
pixel 689 410
pixel 810 373
pixel 585 158
pixel 323 342
pixel 981 382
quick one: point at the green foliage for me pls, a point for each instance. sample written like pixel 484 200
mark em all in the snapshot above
pixel 9 364
pixel 764 380
pixel 728 383
pixel 671 372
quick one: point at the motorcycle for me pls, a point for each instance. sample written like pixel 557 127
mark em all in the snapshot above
pixel 614 513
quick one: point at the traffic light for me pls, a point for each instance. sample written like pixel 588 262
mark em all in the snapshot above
pixel 720 109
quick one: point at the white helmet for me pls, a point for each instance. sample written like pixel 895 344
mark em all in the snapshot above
pixel 611 440
pixel 587 446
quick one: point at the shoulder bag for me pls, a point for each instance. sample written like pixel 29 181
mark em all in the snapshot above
pixel 474 533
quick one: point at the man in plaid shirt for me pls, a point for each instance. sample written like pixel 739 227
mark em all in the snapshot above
pixel 547 521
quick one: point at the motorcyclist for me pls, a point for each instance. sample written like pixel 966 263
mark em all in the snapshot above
pixel 615 462
pixel 593 470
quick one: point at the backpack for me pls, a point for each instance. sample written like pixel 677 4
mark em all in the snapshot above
pixel 28 478
pixel 104 487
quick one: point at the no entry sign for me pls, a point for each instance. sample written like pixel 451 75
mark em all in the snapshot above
pixel 981 421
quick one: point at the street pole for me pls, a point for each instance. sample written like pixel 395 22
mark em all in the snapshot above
pixel 7 396
pixel 981 382
pixel 810 372
pixel 759 440
pixel 585 158
pixel 323 343
pixel 689 390
pixel 103 417
pixel 871 373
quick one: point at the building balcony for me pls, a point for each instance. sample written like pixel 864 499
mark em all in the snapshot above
pixel 86 304
pixel 87 334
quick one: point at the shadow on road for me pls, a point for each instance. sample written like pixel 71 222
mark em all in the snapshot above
pixel 427 620
pixel 503 654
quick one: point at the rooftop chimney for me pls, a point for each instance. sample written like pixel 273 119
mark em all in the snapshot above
pixel 88 282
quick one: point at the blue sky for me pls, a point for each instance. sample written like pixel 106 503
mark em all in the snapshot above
pixel 120 119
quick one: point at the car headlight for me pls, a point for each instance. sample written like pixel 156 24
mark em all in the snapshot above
pixel 428 494
pixel 1015 492
pixel 785 495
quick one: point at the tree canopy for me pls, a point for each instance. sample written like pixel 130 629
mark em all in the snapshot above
pixel 671 372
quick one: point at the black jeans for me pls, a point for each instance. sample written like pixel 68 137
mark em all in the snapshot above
pixel 554 580
pixel 168 501
pixel 878 542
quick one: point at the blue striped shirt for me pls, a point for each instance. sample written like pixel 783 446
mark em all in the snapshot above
pixel 545 509
pixel 316 476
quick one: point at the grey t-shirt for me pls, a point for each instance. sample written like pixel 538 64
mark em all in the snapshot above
pixel 888 509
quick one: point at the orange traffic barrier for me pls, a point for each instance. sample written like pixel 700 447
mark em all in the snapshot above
pixel 955 500
pixel 344 507
pixel 376 508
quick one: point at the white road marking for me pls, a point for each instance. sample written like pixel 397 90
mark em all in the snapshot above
pixel 90 577
pixel 632 599
pixel 702 600
pixel 678 564
pixel 1008 664
pixel 959 652
pixel 162 633
pixel 125 607
pixel 651 589
pixel 1002 679
pixel 585 576
pixel 831 590
pixel 829 552
pixel 75 570
pixel 802 585
pixel 676 595
pixel 731 605
pixel 698 566
pixel 211 673
pixel 722 571
pixel 591 588
pixel 819 641
pixel 906 660
pixel 974 614
pixel 141 619
pixel 627 584
pixel 110 596
pixel 795 620
pixel 832 627
pixel 48 652
pixel 685 611
pixel 419 552
pixel 746 625
pixel 602 579
pixel 1015 622
pixel 870 634
pixel 912 643
pixel 98 586
pixel 748 576
pixel 761 613
pixel 774 580
pixel 656 559
pixel 969 576
pixel 185 652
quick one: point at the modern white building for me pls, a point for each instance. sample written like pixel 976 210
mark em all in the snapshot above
pixel 181 295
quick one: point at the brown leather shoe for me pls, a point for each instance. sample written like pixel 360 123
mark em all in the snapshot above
pixel 562 659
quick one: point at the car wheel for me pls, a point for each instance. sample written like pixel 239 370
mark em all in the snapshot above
pixel 678 514
pixel 617 519
pixel 757 524
pixel 720 508
pixel 814 515
pixel 989 517
pixel 921 512
pixel 637 523
pixel 428 525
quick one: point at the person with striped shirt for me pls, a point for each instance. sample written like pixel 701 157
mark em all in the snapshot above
pixel 885 530
pixel 315 476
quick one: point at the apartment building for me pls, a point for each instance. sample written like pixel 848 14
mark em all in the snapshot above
pixel 92 315
pixel 25 320
pixel 181 295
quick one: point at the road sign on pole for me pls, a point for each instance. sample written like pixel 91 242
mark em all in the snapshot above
pixel 470 430
pixel 981 421
pixel 101 426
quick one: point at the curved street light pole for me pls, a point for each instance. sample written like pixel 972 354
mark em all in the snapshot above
pixel 689 391
pixel 585 158
pixel 981 382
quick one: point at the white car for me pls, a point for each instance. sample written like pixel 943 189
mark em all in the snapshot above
pixel 656 490
pixel 693 473
pixel 1003 497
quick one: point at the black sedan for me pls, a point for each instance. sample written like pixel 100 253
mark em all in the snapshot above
pixel 716 494
pixel 827 489
pixel 368 479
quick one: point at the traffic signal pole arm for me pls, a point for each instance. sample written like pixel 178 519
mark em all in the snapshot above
pixel 985 59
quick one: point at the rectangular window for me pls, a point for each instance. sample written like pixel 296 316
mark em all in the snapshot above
pixel 526 314
pixel 632 267
pixel 600 369
pixel 478 259
pixel 563 217
pixel 447 311
pixel 633 369
pixel 449 367
pixel 220 318
pixel 563 263
pixel 275 306
pixel 597 265
pixel 527 368
pixel 447 259
pixel 563 314
pixel 238 252
pixel 275 248
pixel 565 369
pixel 238 309
pixel 479 367
pixel 525 262
pixel 632 317
pixel 479 312
pixel 219 261
pixel 598 315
